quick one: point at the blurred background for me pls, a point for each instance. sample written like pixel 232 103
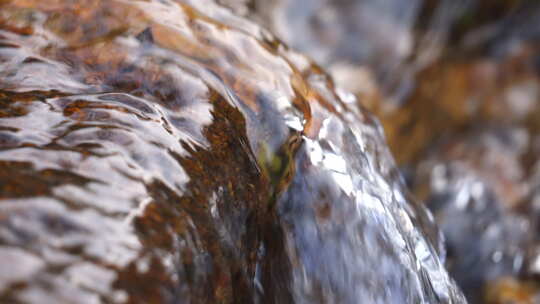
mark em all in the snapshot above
pixel 455 84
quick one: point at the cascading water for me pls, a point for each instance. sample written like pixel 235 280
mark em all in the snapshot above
pixel 456 85
pixel 173 152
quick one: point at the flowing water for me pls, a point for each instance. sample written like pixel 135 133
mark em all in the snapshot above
pixel 175 152
pixel 456 84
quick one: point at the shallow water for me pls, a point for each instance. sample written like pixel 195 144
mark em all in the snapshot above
pixel 173 152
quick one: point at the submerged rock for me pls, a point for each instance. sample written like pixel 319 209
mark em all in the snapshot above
pixel 172 152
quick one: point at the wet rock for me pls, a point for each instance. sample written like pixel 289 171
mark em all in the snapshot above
pixel 173 152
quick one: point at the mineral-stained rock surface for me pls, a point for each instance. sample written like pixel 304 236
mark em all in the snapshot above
pixel 172 152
